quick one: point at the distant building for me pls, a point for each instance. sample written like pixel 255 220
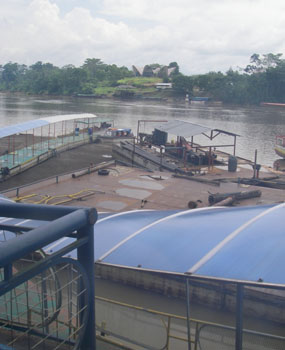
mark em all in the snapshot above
pixel 163 86
pixel 148 71
pixel 138 71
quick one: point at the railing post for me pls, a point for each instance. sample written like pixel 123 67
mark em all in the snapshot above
pixel 168 332
pixel 188 313
pixel 239 319
pixel 86 258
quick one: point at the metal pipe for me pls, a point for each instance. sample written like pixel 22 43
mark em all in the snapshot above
pixel 12 282
pixel 42 212
pixel 41 236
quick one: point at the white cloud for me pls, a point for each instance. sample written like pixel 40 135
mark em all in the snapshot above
pixel 200 36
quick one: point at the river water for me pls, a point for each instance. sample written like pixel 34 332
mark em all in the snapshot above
pixel 257 126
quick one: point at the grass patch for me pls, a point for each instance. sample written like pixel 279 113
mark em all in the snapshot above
pixel 139 81
pixel 104 90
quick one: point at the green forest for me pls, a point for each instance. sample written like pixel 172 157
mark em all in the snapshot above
pixel 262 80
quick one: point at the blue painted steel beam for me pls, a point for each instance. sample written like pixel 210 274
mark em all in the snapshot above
pixel 40 212
pixel 63 222
pixel 85 256
pixel 10 282
pixel 17 248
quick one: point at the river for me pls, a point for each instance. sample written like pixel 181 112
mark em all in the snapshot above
pixel 257 126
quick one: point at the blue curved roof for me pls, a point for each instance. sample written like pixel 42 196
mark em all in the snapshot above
pixel 243 243
pixel 37 123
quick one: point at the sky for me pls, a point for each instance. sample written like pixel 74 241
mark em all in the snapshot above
pixel 201 35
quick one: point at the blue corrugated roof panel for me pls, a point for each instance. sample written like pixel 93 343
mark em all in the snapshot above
pixel 23 127
pixel 256 252
pixel 245 243
pixel 179 242
pixel 114 230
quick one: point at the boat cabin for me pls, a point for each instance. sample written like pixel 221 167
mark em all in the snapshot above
pixel 114 132
pixel 280 140
pixel 280 146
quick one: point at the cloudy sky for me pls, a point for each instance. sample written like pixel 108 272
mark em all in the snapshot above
pixel 202 36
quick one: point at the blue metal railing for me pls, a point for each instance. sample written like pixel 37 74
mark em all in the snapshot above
pixel 61 222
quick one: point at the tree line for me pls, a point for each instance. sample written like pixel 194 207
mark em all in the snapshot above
pixel 262 80
pixel 45 78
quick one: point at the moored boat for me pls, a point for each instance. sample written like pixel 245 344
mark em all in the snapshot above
pixel 280 145
pixel 115 134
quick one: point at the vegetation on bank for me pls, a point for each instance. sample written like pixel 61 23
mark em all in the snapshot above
pixel 262 80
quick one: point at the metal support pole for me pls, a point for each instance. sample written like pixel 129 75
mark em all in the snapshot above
pixel 239 319
pixel 65 130
pixel 138 129
pixel 13 149
pixel 188 314
pixel 86 258
pixel 33 142
pixel 168 332
pixel 210 156
pixel 255 161
pixel 160 167
pixel 27 150
pixel 133 154
pixel 235 143
pixel 41 138
pixel 55 140
pixel 48 135
pixel 62 125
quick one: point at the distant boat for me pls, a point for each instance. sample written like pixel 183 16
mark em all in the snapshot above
pixel 272 104
pixel 113 134
pixel 280 145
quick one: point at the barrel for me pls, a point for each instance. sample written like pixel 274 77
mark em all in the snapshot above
pixel 232 164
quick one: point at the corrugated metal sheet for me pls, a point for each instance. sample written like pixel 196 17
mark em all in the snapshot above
pixel 23 127
pixel 33 124
pixel 244 243
pixel 181 128
pixel 179 241
pixel 256 252
pixel 60 118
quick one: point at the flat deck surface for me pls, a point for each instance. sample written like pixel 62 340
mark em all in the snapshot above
pixel 127 188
